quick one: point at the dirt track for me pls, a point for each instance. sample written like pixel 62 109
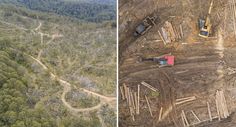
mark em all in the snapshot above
pixel 67 88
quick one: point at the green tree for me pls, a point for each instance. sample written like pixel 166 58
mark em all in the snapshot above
pixel 19 124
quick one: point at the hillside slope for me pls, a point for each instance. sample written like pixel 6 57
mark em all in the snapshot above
pixel 56 71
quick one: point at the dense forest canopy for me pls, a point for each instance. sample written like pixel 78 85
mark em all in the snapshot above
pixel 91 10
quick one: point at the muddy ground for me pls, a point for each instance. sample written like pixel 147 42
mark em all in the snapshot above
pixel 202 66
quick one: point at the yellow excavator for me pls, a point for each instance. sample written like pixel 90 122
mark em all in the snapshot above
pixel 205 25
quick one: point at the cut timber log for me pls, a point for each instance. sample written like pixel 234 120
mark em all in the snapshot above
pixel 178 36
pixel 160 114
pixel 165 35
pixel 129 102
pixel 132 101
pixel 129 99
pixel 182 117
pixel 135 102
pixel 184 100
pixel 122 93
pixel 195 116
pixel 125 91
pixel 161 37
pixel 149 86
pixel 131 108
pixel 170 30
pixel 185 118
pixel 209 111
pixel 138 99
pixel 133 118
pixel 221 104
pixel 127 94
pixel 181 31
pixel 165 113
pixel 217 109
pixel 226 112
pixel 149 107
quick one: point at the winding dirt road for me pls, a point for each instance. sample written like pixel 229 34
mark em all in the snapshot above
pixel 65 84
pixel 67 88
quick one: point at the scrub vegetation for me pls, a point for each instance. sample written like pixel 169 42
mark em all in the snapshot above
pixel 57 67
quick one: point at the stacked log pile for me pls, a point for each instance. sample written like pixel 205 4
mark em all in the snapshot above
pixel 170 33
pixel 221 105
pixel 221 108
pixel 133 98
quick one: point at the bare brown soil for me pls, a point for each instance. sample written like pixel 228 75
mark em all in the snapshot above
pixel 202 66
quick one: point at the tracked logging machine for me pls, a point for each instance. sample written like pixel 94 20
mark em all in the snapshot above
pixel 162 61
pixel 146 25
pixel 205 25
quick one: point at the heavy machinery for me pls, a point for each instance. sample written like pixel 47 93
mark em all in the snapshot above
pixel 163 61
pixel 205 25
pixel 146 25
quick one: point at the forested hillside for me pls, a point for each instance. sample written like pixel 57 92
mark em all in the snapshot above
pixel 91 10
pixel 16 91
pixel 56 70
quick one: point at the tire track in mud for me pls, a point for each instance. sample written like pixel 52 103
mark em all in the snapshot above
pixel 220 50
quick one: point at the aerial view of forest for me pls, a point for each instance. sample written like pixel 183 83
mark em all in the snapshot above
pixel 58 63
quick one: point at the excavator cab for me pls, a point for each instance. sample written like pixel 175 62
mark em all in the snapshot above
pixel 139 29
pixel 205 28
pixel 146 25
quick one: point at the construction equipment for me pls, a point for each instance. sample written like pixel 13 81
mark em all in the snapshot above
pixel 146 25
pixel 205 25
pixel 163 61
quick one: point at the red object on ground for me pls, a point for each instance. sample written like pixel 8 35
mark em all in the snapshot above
pixel 170 59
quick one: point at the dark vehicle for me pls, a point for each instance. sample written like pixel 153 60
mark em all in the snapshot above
pixel 163 61
pixel 146 25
